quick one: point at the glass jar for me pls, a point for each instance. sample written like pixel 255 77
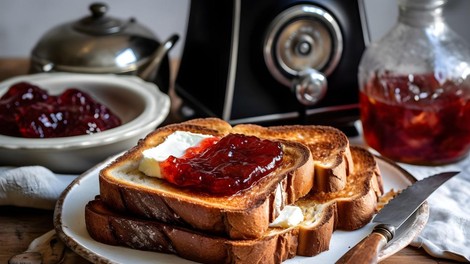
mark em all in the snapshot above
pixel 415 88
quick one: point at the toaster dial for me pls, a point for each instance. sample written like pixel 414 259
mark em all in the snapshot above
pixel 303 44
pixel 309 87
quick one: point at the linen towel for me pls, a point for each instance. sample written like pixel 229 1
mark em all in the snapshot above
pixel 447 232
pixel 32 186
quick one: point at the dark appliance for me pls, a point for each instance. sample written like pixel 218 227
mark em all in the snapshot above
pixel 273 61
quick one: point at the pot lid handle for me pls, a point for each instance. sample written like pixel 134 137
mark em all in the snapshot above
pixel 97 23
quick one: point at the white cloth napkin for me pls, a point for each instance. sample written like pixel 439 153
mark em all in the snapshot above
pixel 447 233
pixel 32 186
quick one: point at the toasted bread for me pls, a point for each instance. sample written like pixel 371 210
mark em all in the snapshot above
pixel 348 209
pixel 246 214
pixel 329 147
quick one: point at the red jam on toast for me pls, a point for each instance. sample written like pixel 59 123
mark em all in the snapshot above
pixel 233 163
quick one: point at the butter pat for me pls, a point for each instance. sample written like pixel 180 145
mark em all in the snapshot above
pixel 175 145
pixel 278 199
pixel 289 216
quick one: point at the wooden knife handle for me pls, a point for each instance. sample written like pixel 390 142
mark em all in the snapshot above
pixel 367 250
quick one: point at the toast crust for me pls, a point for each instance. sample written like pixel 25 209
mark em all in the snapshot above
pixel 329 147
pixel 246 214
pixel 348 209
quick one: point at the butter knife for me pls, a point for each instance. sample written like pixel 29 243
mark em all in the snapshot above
pixel 392 217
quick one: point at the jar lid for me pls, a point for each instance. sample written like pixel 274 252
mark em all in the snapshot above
pixel 421 4
pixel 95 44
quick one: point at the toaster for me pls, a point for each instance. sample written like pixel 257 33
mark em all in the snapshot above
pixel 273 61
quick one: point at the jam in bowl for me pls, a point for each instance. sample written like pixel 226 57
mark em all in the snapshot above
pixel 140 106
pixel 27 110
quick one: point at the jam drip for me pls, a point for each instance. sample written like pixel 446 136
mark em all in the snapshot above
pixel 234 163
pixel 28 111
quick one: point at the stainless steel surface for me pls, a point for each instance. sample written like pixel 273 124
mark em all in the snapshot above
pixel 303 44
pixel 399 209
pixel 98 23
pixel 310 86
pixel 300 38
pixel 98 44
pixel 234 43
pixel 95 43
pixel 154 66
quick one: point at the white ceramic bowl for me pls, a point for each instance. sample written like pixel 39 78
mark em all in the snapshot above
pixel 140 105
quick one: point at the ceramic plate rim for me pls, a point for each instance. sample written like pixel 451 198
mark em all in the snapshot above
pixel 92 253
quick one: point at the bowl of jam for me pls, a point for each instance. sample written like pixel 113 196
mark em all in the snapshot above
pixel 69 122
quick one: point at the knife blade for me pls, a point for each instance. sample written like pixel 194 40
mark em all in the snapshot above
pixel 392 217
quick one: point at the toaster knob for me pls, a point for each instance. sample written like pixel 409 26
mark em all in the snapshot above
pixel 302 45
pixel 310 86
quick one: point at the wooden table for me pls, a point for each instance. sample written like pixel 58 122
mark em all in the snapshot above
pixel 19 226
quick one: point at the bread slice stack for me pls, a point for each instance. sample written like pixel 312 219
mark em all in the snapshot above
pixel 336 186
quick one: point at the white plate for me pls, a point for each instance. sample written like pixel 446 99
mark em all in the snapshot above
pixel 69 221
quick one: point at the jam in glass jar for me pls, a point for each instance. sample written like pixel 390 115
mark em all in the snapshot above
pixel 415 88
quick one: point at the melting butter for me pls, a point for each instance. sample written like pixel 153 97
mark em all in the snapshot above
pixel 289 216
pixel 175 145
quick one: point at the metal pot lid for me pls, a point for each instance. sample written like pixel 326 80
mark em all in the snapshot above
pixel 98 23
pixel 96 43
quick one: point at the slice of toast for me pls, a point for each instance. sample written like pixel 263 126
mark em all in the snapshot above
pixel 246 214
pixel 348 209
pixel 329 147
